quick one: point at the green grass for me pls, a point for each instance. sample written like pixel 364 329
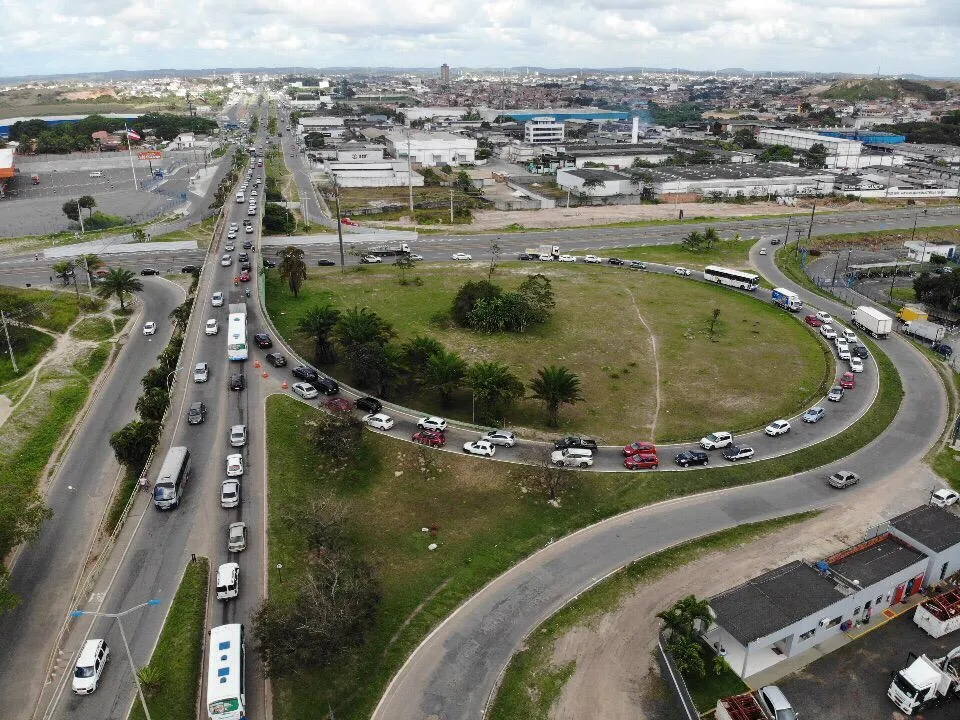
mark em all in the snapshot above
pixel 178 657
pixel 56 310
pixel 93 328
pixel 201 233
pixel 595 331
pixel 276 168
pixel 532 682
pixel 788 261
pixel 29 346
pixel 946 463
pixel 904 294
pixel 729 253
pixel 119 502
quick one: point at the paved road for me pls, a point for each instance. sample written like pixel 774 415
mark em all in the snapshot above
pixel 48 569
pixel 453 673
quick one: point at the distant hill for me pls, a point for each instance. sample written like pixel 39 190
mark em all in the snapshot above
pixel 882 89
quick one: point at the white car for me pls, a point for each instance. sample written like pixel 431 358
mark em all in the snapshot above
pixel 566 258
pixel 91 662
pixel 828 332
pixel 592 259
pixel 840 342
pixel 681 271
pixel 824 317
pixel 217 299
pixel 232 235
pixel 415 257
pixel 213 327
pixel 234 226
pixel 371 259
pixel 432 423
pixel 763 251
pixel 379 421
pixel 856 364
pixel 716 440
pixel 149 328
pixel 777 427
pixel 230 247
pixel 461 256
pixel 944 497
pixel 229 493
pixel 253 193
pixel 249 229
pixel 201 373
pixel 238 436
pixel 545 257
pixel 484 448
pixel 234 465
pixel 226 260
pixel 843 352
pixel 850 336
pixel 501 437
pixel 304 390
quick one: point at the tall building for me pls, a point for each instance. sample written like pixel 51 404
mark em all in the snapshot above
pixel 444 74
pixel 543 129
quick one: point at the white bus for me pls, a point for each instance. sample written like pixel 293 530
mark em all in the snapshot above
pixel 734 278
pixel 237 332
pixel 226 665
pixel 173 476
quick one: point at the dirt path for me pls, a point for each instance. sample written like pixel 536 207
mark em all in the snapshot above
pixel 656 364
pixel 614 654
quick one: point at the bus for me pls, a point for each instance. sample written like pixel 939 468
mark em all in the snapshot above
pixel 226 666
pixel 237 332
pixel 174 474
pixel 734 278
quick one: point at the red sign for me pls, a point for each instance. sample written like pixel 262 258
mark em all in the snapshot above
pixel 150 155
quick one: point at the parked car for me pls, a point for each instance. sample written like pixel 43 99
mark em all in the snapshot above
pixel 686 458
pixel 848 381
pixel 775 703
pixel 716 440
pixel 681 271
pixel 814 414
pixel 614 261
pixel 201 373
pixel 777 427
pixel 149 271
pixel 338 404
pixel 856 364
pixel 813 321
pixel 325 262
pixel 484 448
pixel 461 256
pixel 827 331
pixel 190 269
pixel 237 537
pixel 212 327
pixel 835 394
pixel 432 423
pixel 238 435
pixel 738 452
pixel 572 457
pixel 263 340
pixel 433 438
pixel 379 421
pixel 591 259
pixel 636 448
pixel 238 381
pixel 575 441
pixel 944 497
pixel 229 493
pixel 302 372
pixel 276 359
pixel 943 349
pixel 328 386
pixel 506 438
pixel 304 390
pixel 641 461
pixel 843 478
pixel 149 328
pixel 217 299
pixel 368 404
pixel 269 263
pixel 196 413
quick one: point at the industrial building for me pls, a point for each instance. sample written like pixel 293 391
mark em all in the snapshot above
pixel 694 182
pixel 841 152
pixel 583 181
pixel 619 156
pixel 328 126
pixel 922 252
pixel 432 149
pixel 357 165
pixel 541 130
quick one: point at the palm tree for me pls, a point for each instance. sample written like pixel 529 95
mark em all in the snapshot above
pixel 119 282
pixel 555 386
pixel 445 371
pixel 292 268
pixel 63 270
pixel 495 389
pixel 318 323
pixel 711 237
pixel 688 617
pixel 359 326
pixel 416 353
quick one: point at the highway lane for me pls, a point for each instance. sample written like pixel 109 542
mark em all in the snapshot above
pixel 454 671
pixel 48 569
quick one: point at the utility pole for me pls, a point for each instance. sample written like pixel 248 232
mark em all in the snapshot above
pixel 812 213
pixel 451 205
pixel 786 238
pixel 6 332
pixel 80 215
pixel 409 174
pixel 336 191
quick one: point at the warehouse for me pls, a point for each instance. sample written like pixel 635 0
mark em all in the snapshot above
pixel 594 182
pixel 693 182
pixel 432 149
pixel 841 152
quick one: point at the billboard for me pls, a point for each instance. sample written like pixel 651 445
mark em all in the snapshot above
pixel 150 155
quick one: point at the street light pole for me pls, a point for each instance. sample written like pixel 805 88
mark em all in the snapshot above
pixel 170 375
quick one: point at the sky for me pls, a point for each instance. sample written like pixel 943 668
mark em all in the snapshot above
pixel 859 36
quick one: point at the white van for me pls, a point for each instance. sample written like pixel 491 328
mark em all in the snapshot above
pixel 93 659
pixel 228 581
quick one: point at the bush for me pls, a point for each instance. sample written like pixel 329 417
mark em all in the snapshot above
pixel 277 219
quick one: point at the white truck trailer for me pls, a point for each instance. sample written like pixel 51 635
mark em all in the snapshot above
pixel 939 615
pixel 925 682
pixel 925 330
pixel 787 299
pixel 872 321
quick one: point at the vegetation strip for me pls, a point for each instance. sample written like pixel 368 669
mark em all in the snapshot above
pixel 532 683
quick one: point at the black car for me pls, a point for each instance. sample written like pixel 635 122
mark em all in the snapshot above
pixel 244 266
pixel 243 257
pixel 196 413
pixel 263 340
pixel 276 359
pixel 615 261
pixel 860 351
pixel 943 349
pixel 328 386
pixel 369 404
pixel 237 381
pixel 325 262
pixel 269 264
pixel 526 256
pixel 149 271
pixel 190 269
pixel 575 441
pixel 247 221
pixel 247 244
pixel 691 457
pixel 308 374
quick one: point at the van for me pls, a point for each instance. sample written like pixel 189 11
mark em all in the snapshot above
pixel 572 457
pixel 228 581
pixel 93 658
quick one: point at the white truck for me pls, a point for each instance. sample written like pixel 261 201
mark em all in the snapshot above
pixel 925 330
pixel 872 321
pixel 787 299
pixel 739 707
pixel 925 682
pixel 939 615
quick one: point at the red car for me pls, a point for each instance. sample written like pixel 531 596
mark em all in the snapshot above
pixel 640 447
pixel 848 381
pixel 641 461
pixel 244 276
pixel 338 404
pixel 433 438
pixel 813 321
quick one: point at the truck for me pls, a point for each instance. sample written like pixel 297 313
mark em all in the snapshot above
pixel 390 249
pixel 872 321
pixel 939 615
pixel 739 707
pixel 552 250
pixel 912 312
pixel 924 330
pixel 925 682
pixel 787 299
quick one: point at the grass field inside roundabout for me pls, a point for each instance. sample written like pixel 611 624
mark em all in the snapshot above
pixel 641 343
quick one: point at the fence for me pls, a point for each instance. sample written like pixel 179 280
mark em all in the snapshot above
pixel 671 675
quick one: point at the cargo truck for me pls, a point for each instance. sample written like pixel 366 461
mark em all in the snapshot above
pixel 872 321
pixel 924 330
pixel 939 615
pixel 925 682
pixel 552 250
pixel 787 299
pixel 739 707
pixel 390 250
pixel 912 312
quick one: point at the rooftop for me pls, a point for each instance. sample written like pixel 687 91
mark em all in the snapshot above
pixel 596 174
pixel 732 171
pixel 622 149
pixel 875 560
pixel 930 526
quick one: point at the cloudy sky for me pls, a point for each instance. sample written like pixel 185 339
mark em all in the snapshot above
pixel 896 36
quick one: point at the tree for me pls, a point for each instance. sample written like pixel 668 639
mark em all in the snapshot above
pixel 467 297
pixel 687 655
pixel 495 389
pixel 815 157
pixel 464 183
pixel 713 320
pixel 403 264
pixel 591 184
pixel 88 203
pixel 90 262
pixel 416 353
pixel 374 366
pixel 711 237
pixel 555 386
pixel 545 476
pixel 277 220
pixel 445 371
pixel 538 292
pixel 132 443
pixel 318 323
pixel 693 241
pixel 153 403
pixel 64 270
pixel 71 210
pixel 359 326
pixel 180 315
pixel 139 235
pixel 119 282
pixel 688 616
pixel 292 269
pixel 746 139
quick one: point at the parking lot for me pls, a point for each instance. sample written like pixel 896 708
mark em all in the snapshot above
pixel 851 683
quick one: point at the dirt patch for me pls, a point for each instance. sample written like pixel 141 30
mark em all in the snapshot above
pixel 614 654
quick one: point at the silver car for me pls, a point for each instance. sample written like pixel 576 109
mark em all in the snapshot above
pixel 506 438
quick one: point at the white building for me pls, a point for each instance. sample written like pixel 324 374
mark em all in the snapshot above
pixel 542 130
pixel 619 156
pixel 841 153
pixel 328 126
pixel 437 114
pixel 596 183
pixel 746 179
pixel 312 104
pixel 432 149
pixel 182 141
pixel 922 252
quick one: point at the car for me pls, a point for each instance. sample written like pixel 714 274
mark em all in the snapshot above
pixel 253 193
pixel 244 276
pixel 263 340
pixel 738 452
pixel 371 259
pixel 635 448
pixel 243 257
pixel 212 327
pixel 149 328
pixel 234 226
pixel 859 351
pixel 641 461
pixel 843 352
pixel 840 342
pixel 843 478
pixel 835 394
pixel 591 259
pixel 943 349
pixel 326 385
pixel 850 336
pixel 432 422
pixel 614 261
pixel 775 703
pixel 201 372
pixel 814 414
pixel 681 271
pixel 302 372
pixel 190 269
pixel 432 438
pixel 856 364
pixel 338 404
pixel 91 662
pixel 686 458
pixel 716 440
pixel 575 441
pixel 572 457
pixel 149 271
pixel 325 262
pixel 526 256
pixel 545 257
pixel 304 390
pixel 368 404
pixel 637 265
pixel 944 497
pixel 238 381
pixel 226 260
pixel 269 264
pixel 824 317
pixel 232 235
pixel 415 257
pixel 228 581
pixel 777 427
pixel 827 331
pixel 505 438
pixel 379 421
pixel 461 256
pixel 234 465
pixel 251 211
pixel 763 251
pixel 238 436
pixel 237 537
pixel 567 258
pixel 249 228
pixel 247 222
pixel 96 173
pixel 229 493
pixel 196 413
pixel 813 321
pixel 484 448
pixel 217 299
pixel 848 381
pixel 230 247
pixel 276 359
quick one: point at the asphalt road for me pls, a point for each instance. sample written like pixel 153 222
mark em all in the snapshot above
pixel 453 673
pixel 48 569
